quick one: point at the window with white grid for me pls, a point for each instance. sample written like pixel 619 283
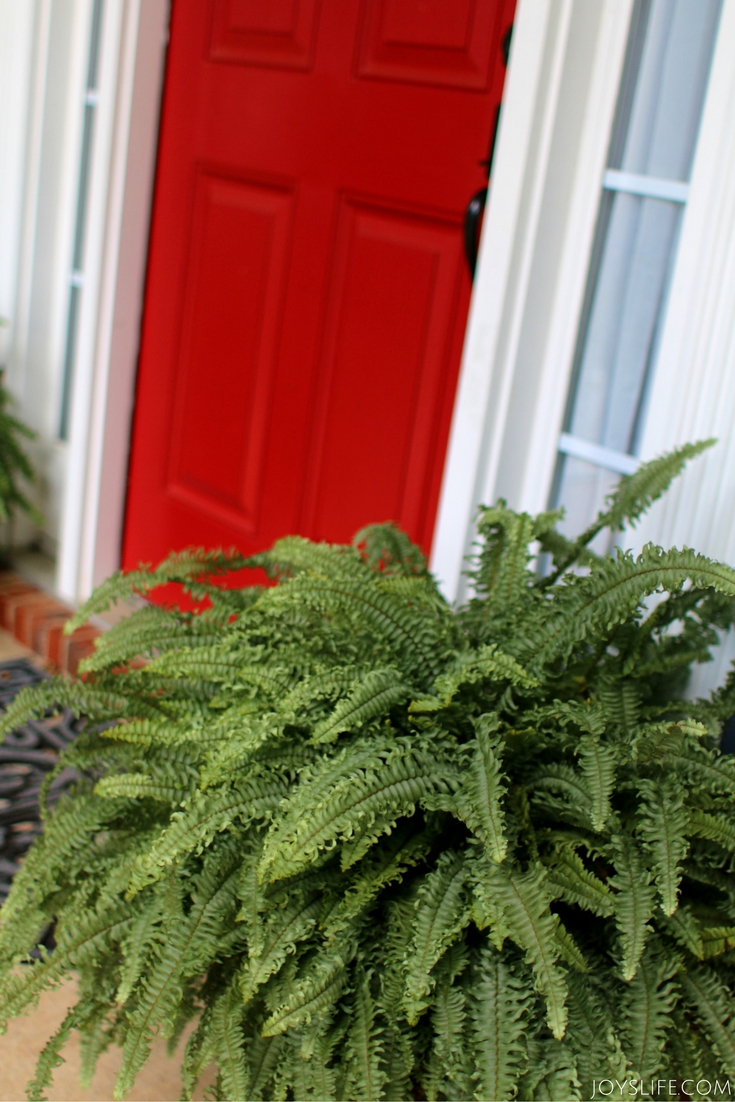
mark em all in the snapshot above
pixel 645 190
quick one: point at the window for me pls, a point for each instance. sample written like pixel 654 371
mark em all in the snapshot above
pixel 76 276
pixel 645 189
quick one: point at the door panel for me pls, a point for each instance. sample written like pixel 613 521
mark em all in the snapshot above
pixel 307 295
pixel 233 310
pixel 428 41
pixel 264 32
pixel 391 307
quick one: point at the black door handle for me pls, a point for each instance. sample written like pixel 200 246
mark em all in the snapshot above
pixel 472 215
pixel 476 205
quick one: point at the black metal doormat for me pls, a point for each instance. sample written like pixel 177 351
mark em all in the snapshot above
pixel 26 756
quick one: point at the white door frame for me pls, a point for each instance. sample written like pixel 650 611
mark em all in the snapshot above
pixel 135 34
pixel 558 105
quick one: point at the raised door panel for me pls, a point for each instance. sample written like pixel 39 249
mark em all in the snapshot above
pixel 274 33
pixel 428 41
pixel 233 303
pixel 387 350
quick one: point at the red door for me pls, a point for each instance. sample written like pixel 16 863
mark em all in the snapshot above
pixel 307 293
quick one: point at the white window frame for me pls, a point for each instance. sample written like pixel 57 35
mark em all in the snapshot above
pixel 533 263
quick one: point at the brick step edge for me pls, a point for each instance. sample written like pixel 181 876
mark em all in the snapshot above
pixel 37 620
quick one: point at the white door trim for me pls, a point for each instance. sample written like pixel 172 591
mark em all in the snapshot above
pixel 132 64
pixel 558 106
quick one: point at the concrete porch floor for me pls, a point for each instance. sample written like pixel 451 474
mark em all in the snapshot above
pixel 158 1081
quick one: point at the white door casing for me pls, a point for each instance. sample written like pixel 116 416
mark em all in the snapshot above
pixel 558 106
pixel 131 68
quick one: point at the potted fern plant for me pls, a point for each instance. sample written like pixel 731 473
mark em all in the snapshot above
pixel 380 849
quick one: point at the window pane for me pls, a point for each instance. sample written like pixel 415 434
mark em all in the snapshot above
pixel 620 341
pixel 583 488
pixel 663 87
pixel 657 119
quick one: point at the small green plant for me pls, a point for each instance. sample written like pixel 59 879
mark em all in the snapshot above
pixel 14 462
pixel 379 849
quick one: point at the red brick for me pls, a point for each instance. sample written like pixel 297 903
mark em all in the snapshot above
pixel 29 614
pixel 73 648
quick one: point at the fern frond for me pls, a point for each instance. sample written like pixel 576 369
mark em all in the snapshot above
pixel 717 940
pixel 631 497
pixel 313 993
pixel 712 1002
pixel 612 592
pixel 715 828
pixel 388 551
pixel 287 926
pixel 569 951
pixel 500 1011
pixel 686 930
pixel 480 795
pixel 50 1057
pixel 137 786
pixel 376 872
pixel 191 943
pixel 597 764
pixel 567 875
pixel 364 1049
pixel 194 828
pixel 488 662
pixel 663 825
pixel 191 568
pixel 442 913
pixel 634 902
pixel 646 1014
pixel 370 787
pixel 94 933
pixel 525 903
pixel 372 696
pixel 227 1044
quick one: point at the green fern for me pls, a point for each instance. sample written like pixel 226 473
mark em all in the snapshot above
pixel 372 847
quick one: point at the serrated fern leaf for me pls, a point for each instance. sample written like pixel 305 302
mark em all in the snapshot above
pixel 191 943
pixel 567 875
pixel 191 830
pixel 287 926
pixel 525 902
pixel 50 1057
pixel 442 913
pixel 715 828
pixel 613 589
pixel 634 902
pixel 364 1049
pixel 597 765
pixel 479 798
pixel 376 791
pixel 314 992
pixel 663 825
pixel 717 940
pixel 711 1000
pixel 373 696
pixel 191 568
pixel 646 1014
pixel 227 1044
pixel 501 1005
